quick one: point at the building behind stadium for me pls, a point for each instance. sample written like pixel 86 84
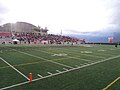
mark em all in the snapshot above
pixel 23 27
pixel 8 30
pixel 26 33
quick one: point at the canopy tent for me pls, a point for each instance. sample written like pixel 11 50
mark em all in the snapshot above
pixel 15 40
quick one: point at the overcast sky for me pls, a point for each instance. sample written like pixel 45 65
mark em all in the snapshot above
pixel 70 16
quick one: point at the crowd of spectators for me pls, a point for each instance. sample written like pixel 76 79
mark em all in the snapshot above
pixel 50 38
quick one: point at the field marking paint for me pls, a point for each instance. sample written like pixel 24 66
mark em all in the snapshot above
pixel 44 59
pixel 15 85
pixel 101 50
pixel 67 56
pixel 49 73
pixel 86 51
pixel 90 46
pixel 58 71
pixel 39 75
pixel 40 62
pixel 14 68
pixel 109 85
pixel 65 69
pixel 80 53
pixel 60 54
pixel 84 66
pixel 4 67
pixel 32 63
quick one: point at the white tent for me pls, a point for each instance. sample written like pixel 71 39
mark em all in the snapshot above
pixel 15 40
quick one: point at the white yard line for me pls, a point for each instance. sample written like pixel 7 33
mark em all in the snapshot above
pixel 65 69
pixel 49 73
pixel 67 56
pixel 58 71
pixel 14 68
pixel 79 53
pixel 87 65
pixel 101 50
pixel 44 59
pixel 39 75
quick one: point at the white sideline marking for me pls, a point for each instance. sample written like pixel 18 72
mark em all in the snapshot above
pixel 58 71
pixel 65 69
pixel 14 68
pixel 19 84
pixel 49 73
pixel 43 59
pixel 39 75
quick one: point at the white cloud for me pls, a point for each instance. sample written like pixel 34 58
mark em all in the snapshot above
pixel 80 15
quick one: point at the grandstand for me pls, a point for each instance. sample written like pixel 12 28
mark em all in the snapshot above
pixel 27 33
pixel 5 37
pixel 10 31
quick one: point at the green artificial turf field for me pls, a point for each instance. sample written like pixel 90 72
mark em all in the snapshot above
pixel 59 67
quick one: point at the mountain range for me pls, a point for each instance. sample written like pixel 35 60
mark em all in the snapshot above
pixel 96 36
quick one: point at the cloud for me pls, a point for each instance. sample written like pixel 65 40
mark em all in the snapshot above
pixel 3 11
pixel 116 12
pixel 1 20
pixel 76 15
pixel 113 6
